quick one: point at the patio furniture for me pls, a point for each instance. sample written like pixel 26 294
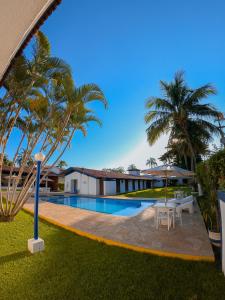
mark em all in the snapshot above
pixel 179 194
pixel 187 203
pixel 165 212
pixel 179 209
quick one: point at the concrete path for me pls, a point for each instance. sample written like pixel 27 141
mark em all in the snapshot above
pixel 189 239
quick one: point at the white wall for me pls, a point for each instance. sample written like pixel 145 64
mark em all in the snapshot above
pixel 130 186
pixel 221 197
pixel 222 205
pixel 109 187
pixel 61 179
pixel 144 184
pixel 97 187
pixel 86 185
pixel 158 183
pixel 134 172
pixel 180 181
pixel 136 185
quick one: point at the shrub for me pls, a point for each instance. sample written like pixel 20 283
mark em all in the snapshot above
pixel 211 175
pixel 61 186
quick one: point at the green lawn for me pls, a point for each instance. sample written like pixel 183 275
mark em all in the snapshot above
pixel 74 267
pixel 158 192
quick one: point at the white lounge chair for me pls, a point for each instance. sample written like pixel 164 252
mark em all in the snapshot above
pixel 184 204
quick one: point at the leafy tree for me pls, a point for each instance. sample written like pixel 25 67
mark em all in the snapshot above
pixel 118 170
pixel 181 114
pixel 132 167
pixel 178 153
pixel 45 108
pixel 6 161
pixel 20 158
pixel 151 162
pixel 211 175
pixel 62 164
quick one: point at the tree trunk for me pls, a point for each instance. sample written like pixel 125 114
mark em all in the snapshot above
pixel 4 218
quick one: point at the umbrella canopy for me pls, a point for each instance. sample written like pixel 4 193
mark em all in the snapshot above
pixel 169 171
pixel 19 20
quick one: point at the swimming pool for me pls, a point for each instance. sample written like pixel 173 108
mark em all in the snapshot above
pixel 103 205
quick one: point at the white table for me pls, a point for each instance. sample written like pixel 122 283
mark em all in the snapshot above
pixel 166 207
pixel 169 205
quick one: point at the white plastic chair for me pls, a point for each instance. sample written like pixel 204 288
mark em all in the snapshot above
pixel 179 194
pixel 179 213
pixel 164 213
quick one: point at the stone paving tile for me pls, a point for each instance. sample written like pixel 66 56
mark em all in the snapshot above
pixel 190 238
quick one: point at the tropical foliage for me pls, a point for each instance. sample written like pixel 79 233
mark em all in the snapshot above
pixel 211 175
pixel 182 114
pixel 151 162
pixel 6 161
pixel 132 167
pixel 45 108
pixel 62 164
pixel 118 169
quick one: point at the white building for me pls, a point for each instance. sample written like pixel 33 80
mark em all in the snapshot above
pixel 174 177
pixel 95 182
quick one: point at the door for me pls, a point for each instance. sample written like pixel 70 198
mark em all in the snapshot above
pixel 74 186
pixel 117 186
pixel 101 186
pixel 139 184
pixel 126 185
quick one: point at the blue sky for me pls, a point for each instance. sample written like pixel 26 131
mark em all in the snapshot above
pixel 127 47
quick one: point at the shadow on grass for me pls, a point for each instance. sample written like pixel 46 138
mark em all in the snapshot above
pixel 13 257
pixel 74 267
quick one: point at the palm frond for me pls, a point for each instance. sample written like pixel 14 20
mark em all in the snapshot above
pixel 156 129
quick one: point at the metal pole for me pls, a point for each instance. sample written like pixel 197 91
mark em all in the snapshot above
pixel 37 200
pixel 166 189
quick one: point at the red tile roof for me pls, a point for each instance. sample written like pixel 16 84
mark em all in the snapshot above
pixel 169 174
pixel 103 174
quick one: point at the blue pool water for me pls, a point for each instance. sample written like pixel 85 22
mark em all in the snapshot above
pixel 102 205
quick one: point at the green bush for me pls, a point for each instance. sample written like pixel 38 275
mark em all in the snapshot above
pixel 61 186
pixel 211 175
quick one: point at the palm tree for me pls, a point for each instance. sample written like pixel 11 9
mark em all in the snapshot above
pixel 20 158
pixel 44 105
pixel 7 161
pixel 62 164
pixel 181 114
pixel 151 162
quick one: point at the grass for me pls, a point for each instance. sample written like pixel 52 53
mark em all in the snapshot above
pixel 158 192
pixel 73 267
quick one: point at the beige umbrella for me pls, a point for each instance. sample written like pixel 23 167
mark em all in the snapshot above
pixel 19 20
pixel 166 171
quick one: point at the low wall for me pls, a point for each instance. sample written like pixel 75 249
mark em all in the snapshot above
pixel 221 199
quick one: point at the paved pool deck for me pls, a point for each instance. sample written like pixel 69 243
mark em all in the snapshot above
pixel 189 241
